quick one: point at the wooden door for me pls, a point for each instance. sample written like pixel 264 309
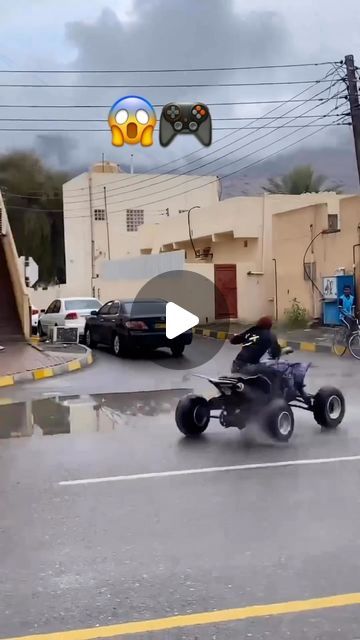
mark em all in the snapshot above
pixel 225 291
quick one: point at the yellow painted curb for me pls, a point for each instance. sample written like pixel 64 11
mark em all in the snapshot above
pixel 222 335
pixel 40 374
pixel 74 365
pixel 6 381
pixel 90 358
pixel 307 346
pixel 5 401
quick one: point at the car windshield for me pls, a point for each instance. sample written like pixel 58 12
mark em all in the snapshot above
pixel 150 307
pixel 91 303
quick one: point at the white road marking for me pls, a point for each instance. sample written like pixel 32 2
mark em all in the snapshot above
pixel 190 472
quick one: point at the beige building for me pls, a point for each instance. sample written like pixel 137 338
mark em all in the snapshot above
pixel 104 208
pixel 111 217
pixel 328 255
pixel 234 241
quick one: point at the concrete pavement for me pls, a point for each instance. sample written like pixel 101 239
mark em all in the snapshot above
pixel 99 554
pixel 23 362
pixel 111 374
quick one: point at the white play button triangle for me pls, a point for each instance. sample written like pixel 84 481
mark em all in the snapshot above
pixel 178 320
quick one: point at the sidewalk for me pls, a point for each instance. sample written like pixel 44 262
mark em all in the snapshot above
pixel 319 339
pixel 22 362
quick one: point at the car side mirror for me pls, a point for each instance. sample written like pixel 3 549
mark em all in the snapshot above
pixel 94 313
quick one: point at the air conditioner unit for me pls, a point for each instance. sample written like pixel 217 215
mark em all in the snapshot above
pixel 64 335
pixel 204 254
pixel 333 222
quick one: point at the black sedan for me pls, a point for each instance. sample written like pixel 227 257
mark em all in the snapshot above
pixel 130 325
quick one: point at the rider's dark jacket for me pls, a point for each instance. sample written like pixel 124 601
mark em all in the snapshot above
pixel 255 343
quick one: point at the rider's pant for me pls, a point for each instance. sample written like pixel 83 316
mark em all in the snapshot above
pixel 274 377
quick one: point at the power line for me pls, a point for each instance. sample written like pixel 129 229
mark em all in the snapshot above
pixel 304 101
pixel 42 130
pixel 243 68
pixel 231 118
pixel 221 148
pixel 283 103
pixel 232 134
pixel 126 179
pixel 107 106
pixel 161 86
pixel 246 166
pixel 194 177
pixel 270 155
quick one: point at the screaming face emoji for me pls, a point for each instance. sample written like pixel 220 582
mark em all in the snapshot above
pixel 132 120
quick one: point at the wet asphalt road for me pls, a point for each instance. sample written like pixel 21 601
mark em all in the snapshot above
pixel 76 556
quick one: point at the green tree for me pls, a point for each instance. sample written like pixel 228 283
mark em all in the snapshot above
pixel 33 196
pixel 301 179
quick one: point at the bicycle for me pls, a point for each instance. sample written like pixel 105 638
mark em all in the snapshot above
pixel 345 339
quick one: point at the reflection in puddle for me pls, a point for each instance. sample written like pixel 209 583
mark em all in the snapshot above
pixel 87 414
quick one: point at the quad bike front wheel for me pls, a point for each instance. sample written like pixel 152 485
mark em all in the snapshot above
pixel 278 420
pixel 192 415
pixel 329 407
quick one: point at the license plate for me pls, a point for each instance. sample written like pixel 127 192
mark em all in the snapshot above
pixel 160 325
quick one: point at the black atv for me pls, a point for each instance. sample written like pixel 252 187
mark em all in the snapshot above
pixel 243 398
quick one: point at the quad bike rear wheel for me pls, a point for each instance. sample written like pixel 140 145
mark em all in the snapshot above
pixel 329 407
pixel 192 415
pixel 278 420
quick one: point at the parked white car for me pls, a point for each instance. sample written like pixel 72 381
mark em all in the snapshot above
pixel 67 312
pixel 34 320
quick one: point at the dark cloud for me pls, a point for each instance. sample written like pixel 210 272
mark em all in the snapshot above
pixel 177 34
pixel 56 148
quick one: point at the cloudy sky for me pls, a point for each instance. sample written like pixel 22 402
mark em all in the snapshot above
pixel 169 34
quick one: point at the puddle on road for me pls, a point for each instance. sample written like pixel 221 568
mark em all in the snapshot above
pixel 102 413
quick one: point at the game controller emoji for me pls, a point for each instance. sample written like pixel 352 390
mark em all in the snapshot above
pixel 185 118
pixel 132 120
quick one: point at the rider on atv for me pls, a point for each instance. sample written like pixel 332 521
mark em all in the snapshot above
pixel 255 342
pixel 285 379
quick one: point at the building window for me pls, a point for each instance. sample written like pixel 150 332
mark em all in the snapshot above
pixel 134 219
pixel 310 271
pixel 99 214
pixel 333 221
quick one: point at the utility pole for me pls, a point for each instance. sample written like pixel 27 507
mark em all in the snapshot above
pixel 92 239
pixel 354 104
pixel 107 223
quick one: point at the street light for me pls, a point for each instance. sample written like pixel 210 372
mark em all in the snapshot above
pixel 189 226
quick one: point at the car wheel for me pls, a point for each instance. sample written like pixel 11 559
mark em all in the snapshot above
pixel 329 407
pixel 118 347
pixel 192 415
pixel 89 341
pixel 41 331
pixel 278 420
pixel 177 350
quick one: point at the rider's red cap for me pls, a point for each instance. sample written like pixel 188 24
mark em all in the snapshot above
pixel 265 322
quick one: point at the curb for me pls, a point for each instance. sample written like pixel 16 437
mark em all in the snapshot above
pixel 294 344
pixel 49 372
